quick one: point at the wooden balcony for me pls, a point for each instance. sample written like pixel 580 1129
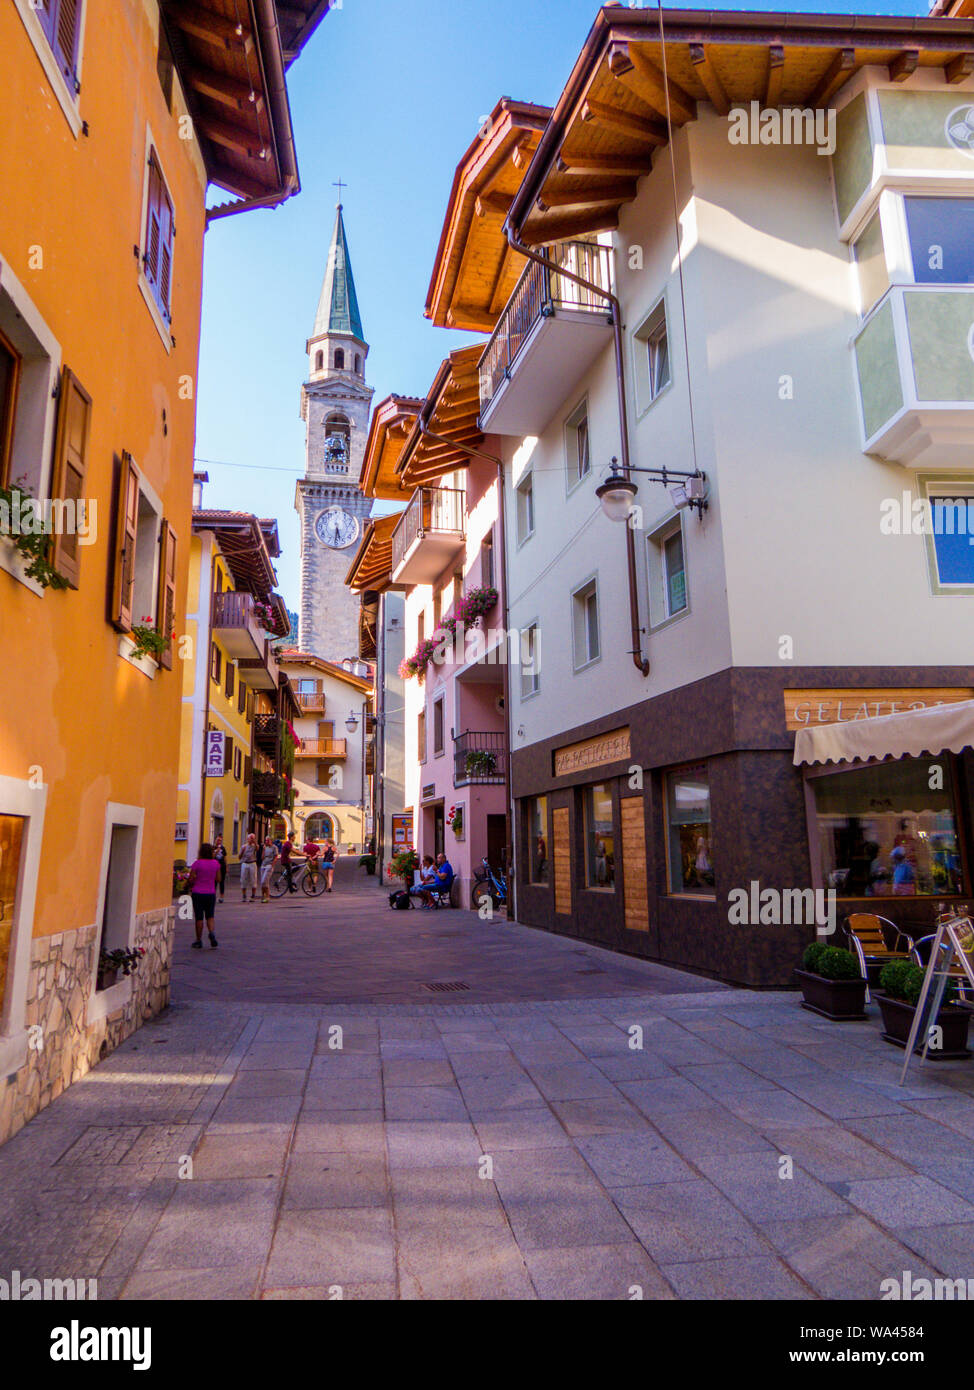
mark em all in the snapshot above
pixel 261 672
pixel 236 628
pixel 311 702
pixel 268 790
pixel 267 731
pixel 321 748
pixel 551 331
pixel 429 534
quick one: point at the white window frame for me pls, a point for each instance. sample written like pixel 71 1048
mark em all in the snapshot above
pixel 930 485
pixel 647 393
pixel 659 601
pixel 573 476
pixel 35 412
pixel 439 701
pixel 19 798
pixel 69 101
pixel 103 1002
pixel 525 487
pixel 163 328
pixel 592 582
pixel 528 693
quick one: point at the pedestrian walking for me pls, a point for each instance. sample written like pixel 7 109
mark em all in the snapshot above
pixel 220 855
pixel 268 858
pixel 204 874
pixel 248 869
pixel 328 865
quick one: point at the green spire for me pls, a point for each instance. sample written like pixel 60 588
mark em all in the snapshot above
pixel 338 310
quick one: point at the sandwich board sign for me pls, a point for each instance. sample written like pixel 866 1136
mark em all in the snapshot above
pixel 953 945
pixel 214 753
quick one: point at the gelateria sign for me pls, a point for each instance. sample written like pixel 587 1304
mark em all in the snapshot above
pixel 592 752
pixel 807 708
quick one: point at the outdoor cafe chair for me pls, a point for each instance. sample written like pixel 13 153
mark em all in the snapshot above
pixel 870 935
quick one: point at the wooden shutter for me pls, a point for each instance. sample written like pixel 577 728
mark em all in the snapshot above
pixel 126 520
pixel 228 681
pixel 216 657
pixel 66 35
pixel 562 854
pixel 166 230
pixel 248 770
pixel 153 229
pixel 70 467
pixel 166 606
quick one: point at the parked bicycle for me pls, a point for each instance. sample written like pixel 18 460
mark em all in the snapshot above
pixel 311 877
pixel 489 885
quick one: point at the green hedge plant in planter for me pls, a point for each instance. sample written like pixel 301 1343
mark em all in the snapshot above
pixel 831 983
pixel 367 862
pixel 900 984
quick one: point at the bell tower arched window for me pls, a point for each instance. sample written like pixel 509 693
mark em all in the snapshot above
pixel 319 361
pixel 358 364
pixel 339 359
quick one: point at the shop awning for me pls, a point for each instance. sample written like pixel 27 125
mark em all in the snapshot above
pixel 943 728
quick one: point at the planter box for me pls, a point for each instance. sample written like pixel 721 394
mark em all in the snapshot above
pixel 106 978
pixel 842 1001
pixel 954 1019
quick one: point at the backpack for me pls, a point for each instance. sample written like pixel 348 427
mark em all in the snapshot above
pixel 400 899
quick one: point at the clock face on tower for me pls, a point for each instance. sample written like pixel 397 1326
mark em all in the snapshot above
pixel 336 528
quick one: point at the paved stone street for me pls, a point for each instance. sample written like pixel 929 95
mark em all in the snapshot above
pixel 503 1141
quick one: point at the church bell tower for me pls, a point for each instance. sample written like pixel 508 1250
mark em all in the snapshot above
pixel 335 406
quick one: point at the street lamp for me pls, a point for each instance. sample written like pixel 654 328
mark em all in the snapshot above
pixel 617 492
pixel 351 723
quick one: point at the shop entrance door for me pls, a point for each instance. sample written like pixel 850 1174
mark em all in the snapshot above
pixel 439 835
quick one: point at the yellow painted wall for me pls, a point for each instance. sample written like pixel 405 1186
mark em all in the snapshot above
pixel 99 728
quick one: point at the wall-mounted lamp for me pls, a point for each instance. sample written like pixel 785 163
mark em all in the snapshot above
pixel 351 723
pixel 617 492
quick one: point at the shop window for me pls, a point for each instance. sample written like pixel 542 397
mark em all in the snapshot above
pixel 12 829
pixel 667 573
pixel 883 832
pixel 536 820
pixel 585 624
pixel 524 503
pixel 599 837
pixel 438 727
pixel 941 232
pixel 689 837
pixel 577 445
pixel 651 354
pixel 530 655
pixel 870 257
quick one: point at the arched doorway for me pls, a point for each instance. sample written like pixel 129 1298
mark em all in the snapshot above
pixel 319 827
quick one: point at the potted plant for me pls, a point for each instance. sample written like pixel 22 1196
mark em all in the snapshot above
pixel 148 639
pixel 404 864
pixel 831 983
pixel 900 983
pixel 481 763
pixel 28 530
pixel 367 862
pixel 110 963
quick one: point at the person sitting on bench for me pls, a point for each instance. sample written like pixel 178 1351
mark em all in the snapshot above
pixel 438 892
pixel 427 876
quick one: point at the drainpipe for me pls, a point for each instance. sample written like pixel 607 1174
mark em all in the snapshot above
pixel 639 661
pixel 502 560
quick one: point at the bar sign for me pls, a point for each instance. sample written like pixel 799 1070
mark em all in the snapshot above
pixel 214 753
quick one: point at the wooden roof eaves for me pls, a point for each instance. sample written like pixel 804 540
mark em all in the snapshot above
pixel 614 24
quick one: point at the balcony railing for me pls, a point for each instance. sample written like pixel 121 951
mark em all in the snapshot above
pixel 321 748
pixel 311 702
pixel 539 294
pixel 479 757
pixel 236 626
pixel 267 730
pixel 428 534
pixel 269 790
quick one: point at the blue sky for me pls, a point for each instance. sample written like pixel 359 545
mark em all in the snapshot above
pixel 387 96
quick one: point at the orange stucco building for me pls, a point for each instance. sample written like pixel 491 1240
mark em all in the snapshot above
pixel 114 119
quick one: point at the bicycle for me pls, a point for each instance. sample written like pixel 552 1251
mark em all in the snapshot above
pixel 311 877
pixel 488 885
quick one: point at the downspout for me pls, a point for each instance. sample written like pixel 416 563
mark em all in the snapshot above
pixel 639 661
pixel 501 537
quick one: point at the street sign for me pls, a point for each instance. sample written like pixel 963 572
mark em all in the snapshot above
pixel 215 765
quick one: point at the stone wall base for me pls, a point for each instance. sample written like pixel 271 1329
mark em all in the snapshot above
pixel 63 1043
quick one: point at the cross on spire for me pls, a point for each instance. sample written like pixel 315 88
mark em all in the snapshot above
pixel 339 185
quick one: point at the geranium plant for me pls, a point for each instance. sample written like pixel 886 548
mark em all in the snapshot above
pixel 33 541
pixel 149 639
pixel 468 611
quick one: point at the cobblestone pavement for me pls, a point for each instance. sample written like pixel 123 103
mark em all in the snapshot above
pixel 514 1148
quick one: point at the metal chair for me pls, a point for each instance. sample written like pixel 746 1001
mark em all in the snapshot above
pixel 868 934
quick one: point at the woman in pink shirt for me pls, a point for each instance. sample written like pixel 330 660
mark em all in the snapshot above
pixel 204 875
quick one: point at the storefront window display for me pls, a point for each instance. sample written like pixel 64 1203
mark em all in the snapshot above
pixel 689 837
pixel 884 831
pixel 599 837
pixel 537 826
